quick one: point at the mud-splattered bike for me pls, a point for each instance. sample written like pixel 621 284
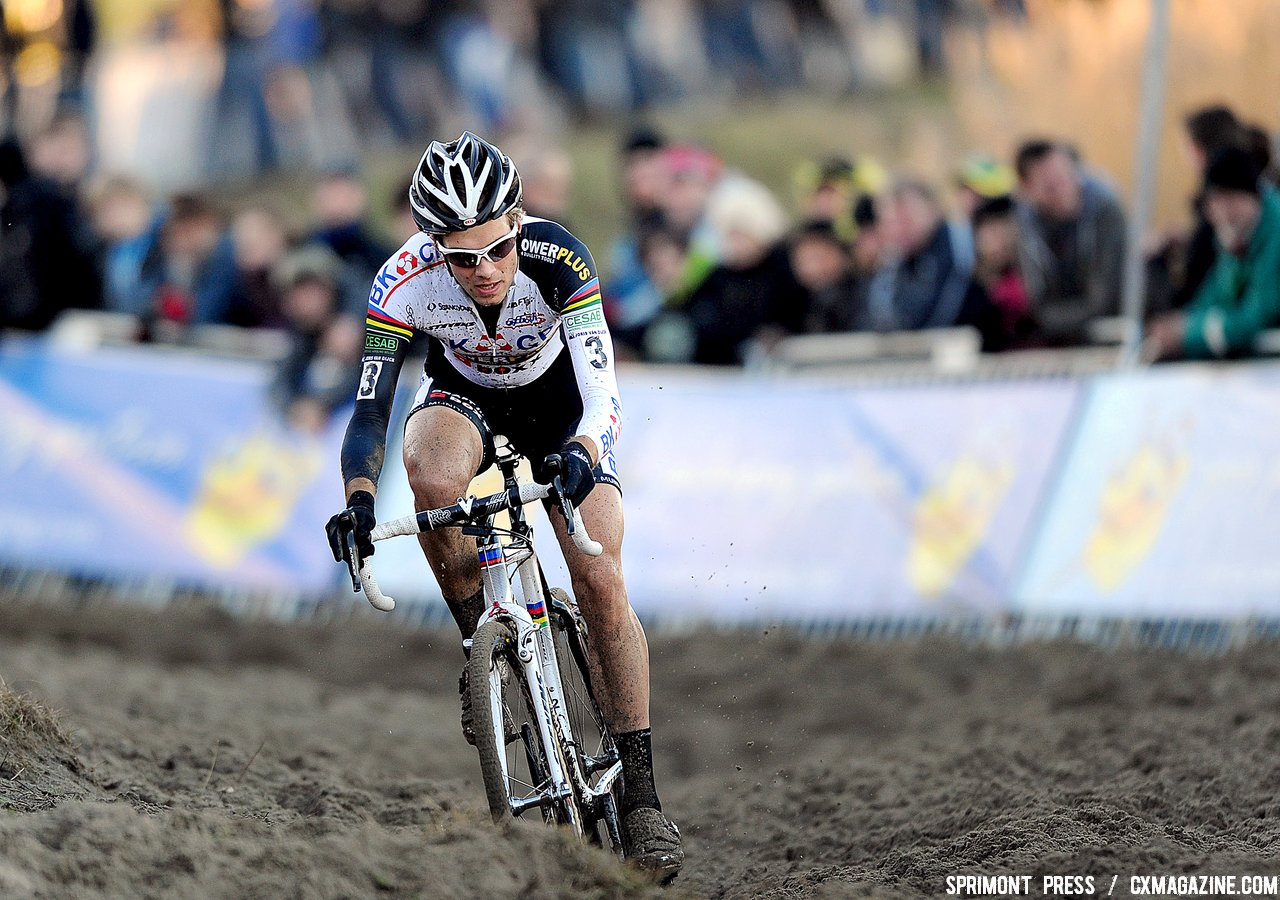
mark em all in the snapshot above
pixel 542 741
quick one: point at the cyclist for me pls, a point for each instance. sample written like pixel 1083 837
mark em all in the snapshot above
pixel 517 346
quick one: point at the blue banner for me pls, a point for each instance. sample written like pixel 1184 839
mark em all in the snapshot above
pixel 787 499
pixel 1169 503
pixel 152 464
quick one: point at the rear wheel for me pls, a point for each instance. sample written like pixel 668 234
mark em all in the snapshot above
pixel 594 746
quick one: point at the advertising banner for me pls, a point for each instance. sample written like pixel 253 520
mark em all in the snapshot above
pixel 748 498
pixel 1169 502
pixel 164 465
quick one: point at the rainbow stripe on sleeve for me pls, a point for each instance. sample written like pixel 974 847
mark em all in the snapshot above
pixel 378 321
pixel 587 295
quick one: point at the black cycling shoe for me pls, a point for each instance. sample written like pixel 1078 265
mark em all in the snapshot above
pixel 652 843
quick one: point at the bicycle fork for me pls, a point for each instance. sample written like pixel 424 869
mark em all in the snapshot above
pixel 535 649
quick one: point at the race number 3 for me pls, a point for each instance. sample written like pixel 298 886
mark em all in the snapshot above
pixel 600 359
pixel 369 380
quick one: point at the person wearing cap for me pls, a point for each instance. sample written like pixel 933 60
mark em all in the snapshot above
pixel 1240 295
pixel 979 179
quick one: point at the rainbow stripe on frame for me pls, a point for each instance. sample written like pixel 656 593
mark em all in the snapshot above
pixel 491 556
pixel 538 612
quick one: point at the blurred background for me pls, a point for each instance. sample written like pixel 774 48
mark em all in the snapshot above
pixel 911 230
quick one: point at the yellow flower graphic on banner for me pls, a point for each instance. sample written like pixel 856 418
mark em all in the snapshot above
pixel 1134 506
pixel 951 521
pixel 246 496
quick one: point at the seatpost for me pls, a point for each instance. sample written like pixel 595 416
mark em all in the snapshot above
pixel 508 461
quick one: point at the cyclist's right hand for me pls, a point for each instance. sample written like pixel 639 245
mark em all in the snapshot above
pixel 357 519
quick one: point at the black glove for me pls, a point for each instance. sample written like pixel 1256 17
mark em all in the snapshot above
pixel 575 469
pixel 360 507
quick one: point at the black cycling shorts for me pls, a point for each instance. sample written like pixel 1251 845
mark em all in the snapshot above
pixel 537 418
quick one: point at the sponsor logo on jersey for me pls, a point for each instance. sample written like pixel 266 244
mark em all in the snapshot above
pixel 406 262
pixel 532 341
pixel 552 252
pixel 405 266
pixel 608 439
pixel 584 319
pixel 381 342
pixel 533 319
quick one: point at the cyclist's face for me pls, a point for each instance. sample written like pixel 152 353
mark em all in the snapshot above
pixel 487 284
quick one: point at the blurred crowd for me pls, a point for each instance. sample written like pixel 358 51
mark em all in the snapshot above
pixel 1028 251
pixel 713 268
pixel 169 265
pixel 282 83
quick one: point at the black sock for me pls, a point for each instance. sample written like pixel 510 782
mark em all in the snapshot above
pixel 467 612
pixel 635 749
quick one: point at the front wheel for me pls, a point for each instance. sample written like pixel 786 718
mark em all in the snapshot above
pixel 513 758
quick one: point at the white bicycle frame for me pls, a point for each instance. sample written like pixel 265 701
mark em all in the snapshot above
pixel 534 645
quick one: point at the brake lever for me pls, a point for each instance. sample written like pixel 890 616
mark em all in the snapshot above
pixel 352 556
pixel 566 508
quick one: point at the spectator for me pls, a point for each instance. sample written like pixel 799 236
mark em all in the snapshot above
pixel 752 291
pixel 260 242
pixel 662 253
pixel 995 239
pixel 127 228
pixel 979 179
pixel 644 173
pixel 633 300
pixel 1072 231
pixel 321 370
pixel 691 177
pixel 1258 142
pixel 63 152
pixel 339 205
pixel 1186 262
pixel 823 266
pixel 698 185
pixel 828 191
pixel 1241 294
pixel 546 174
pixel 401 225
pixel 46 257
pixel 191 270
pixel 927 283
pixel 666 336
pixel 868 240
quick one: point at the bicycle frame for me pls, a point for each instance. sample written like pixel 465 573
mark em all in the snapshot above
pixel 535 648
pixel 535 643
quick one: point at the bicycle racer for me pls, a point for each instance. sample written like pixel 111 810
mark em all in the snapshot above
pixel 518 346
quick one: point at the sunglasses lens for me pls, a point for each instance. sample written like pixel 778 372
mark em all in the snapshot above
pixel 463 260
pixel 502 250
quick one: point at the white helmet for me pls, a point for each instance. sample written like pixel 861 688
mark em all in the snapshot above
pixel 462 183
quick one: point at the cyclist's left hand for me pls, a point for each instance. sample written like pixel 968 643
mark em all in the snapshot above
pixel 576 475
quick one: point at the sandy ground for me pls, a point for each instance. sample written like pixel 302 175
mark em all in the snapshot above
pixel 212 757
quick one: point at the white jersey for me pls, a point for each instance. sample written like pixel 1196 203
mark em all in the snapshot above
pixel 554 303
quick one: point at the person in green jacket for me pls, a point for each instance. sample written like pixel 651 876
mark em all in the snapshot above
pixel 1240 296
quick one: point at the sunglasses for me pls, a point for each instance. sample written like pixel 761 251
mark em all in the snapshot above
pixel 469 259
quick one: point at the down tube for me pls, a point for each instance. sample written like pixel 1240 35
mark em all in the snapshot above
pixel 536 603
